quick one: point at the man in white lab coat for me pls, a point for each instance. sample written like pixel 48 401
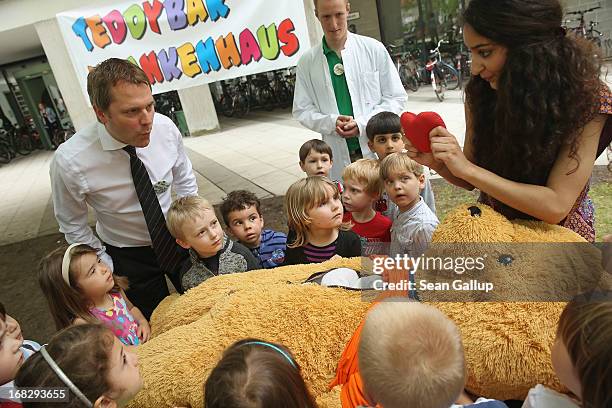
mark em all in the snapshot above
pixel 341 83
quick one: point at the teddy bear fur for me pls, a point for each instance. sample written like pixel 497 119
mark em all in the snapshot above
pixel 507 340
pixel 507 344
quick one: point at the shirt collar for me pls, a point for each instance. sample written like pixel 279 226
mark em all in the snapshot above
pixel 326 49
pixel 108 142
pixel 409 213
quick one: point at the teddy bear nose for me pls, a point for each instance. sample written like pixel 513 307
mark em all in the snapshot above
pixel 475 211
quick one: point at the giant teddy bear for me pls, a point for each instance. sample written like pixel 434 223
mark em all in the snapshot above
pixel 507 343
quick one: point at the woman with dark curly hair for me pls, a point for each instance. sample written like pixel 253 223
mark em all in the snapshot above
pixel 537 115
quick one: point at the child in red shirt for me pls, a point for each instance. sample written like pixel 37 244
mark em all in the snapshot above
pixel 362 187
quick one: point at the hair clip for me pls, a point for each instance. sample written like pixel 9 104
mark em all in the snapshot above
pixel 273 347
pixel 62 376
pixel 66 262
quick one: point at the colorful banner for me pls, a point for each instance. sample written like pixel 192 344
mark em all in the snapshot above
pixel 184 43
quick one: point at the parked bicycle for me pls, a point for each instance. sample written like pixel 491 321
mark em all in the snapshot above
pixel 61 134
pixel 6 152
pixel 21 140
pixel 408 71
pixel 583 30
pixel 282 88
pixel 463 64
pixel 13 142
pixel 237 97
pixel 167 104
pixel 439 74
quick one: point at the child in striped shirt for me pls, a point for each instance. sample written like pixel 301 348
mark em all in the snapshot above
pixel 314 215
pixel 242 216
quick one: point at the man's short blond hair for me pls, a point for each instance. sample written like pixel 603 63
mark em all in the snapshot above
pixel 185 209
pixel 316 1
pixel 397 163
pixel 411 355
pixel 365 172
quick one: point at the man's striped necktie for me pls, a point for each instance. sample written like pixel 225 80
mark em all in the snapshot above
pixel 164 245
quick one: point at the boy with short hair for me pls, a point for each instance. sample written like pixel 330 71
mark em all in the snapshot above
pixel 362 187
pixel 194 225
pixel 385 136
pixel 415 223
pixel 242 215
pixel 424 369
pixel 316 159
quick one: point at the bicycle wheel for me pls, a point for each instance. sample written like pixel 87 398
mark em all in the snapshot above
pixel 58 137
pixel 22 143
pixel 283 95
pixel 5 154
pixel 226 105
pixel 414 82
pixel 266 98
pixel 450 75
pixel 438 88
pixel 241 105
pixel 408 79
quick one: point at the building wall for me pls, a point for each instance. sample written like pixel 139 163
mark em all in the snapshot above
pixel 603 16
pixel 77 104
pixel 4 103
pixel 390 14
pixel 19 13
pixel 367 23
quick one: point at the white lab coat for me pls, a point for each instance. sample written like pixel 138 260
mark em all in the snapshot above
pixel 374 85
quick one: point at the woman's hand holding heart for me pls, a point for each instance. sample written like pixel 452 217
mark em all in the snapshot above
pixel 446 149
pixel 430 144
pixel 416 129
pixel 426 159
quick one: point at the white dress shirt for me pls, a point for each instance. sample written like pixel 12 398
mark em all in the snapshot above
pixel 374 85
pixel 91 168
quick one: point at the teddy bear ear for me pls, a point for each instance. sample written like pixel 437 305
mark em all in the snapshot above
pixel 474 211
pixel 474 223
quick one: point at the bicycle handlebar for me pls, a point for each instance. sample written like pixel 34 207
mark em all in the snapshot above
pixel 437 49
pixel 583 12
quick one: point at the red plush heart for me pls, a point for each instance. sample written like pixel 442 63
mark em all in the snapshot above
pixel 417 128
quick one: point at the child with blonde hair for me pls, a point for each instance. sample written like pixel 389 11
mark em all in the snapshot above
pixel 581 356
pixel 81 288
pixel 89 364
pixel 415 223
pixel 258 374
pixel 411 355
pixel 192 222
pixel 316 231
pixel 362 187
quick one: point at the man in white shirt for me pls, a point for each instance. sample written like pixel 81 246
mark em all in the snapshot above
pixel 341 83
pixel 123 167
